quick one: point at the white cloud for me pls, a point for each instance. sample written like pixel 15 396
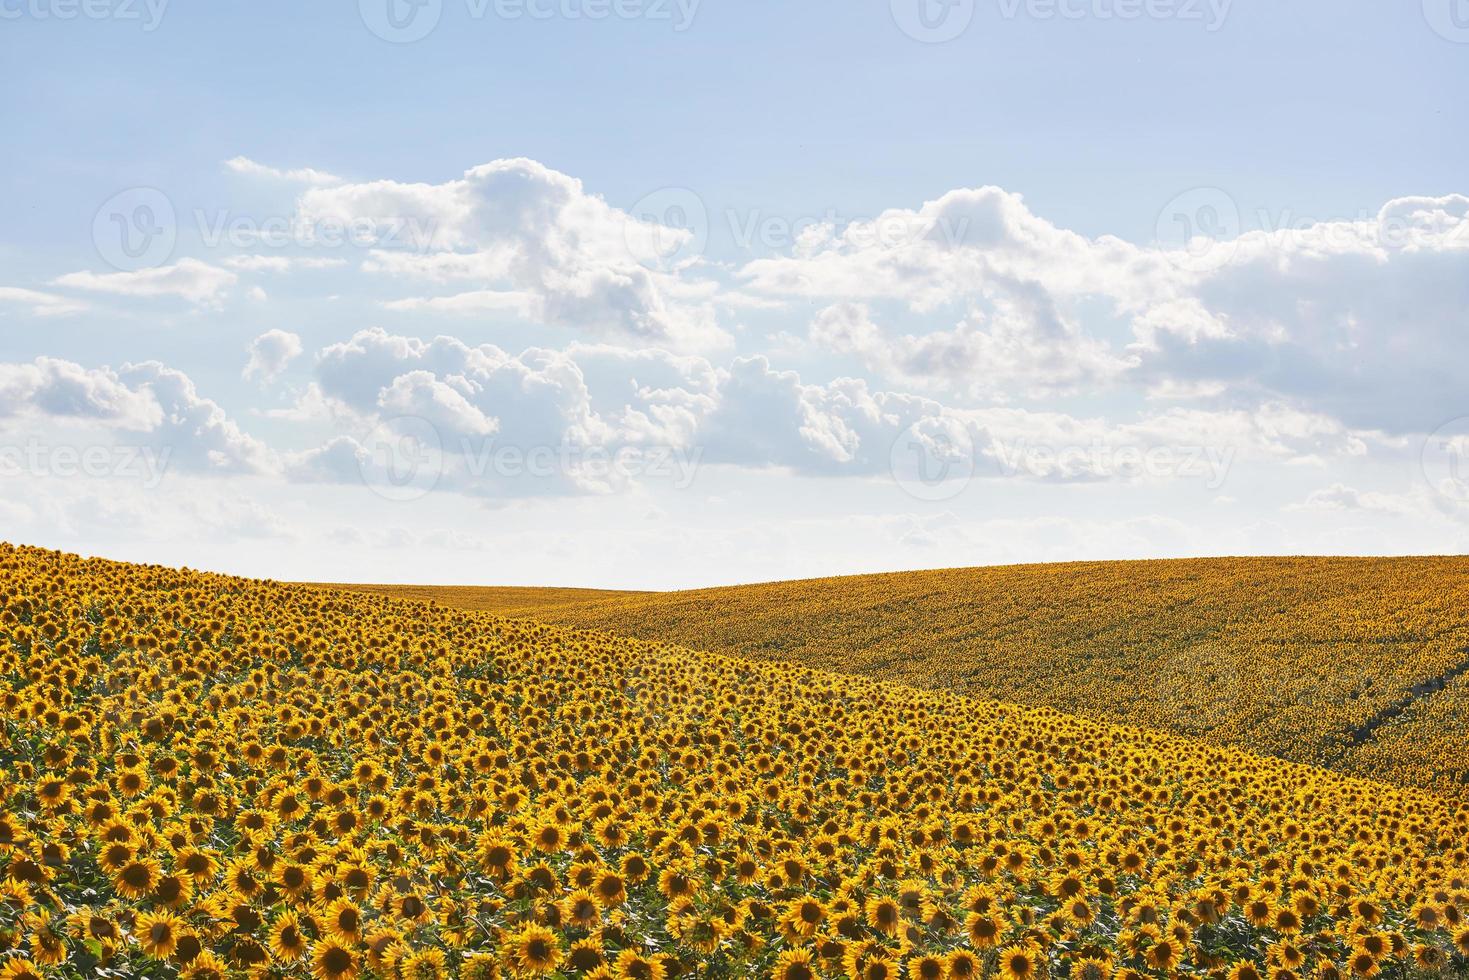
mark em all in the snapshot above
pixel 49 387
pixel 270 354
pixel 517 226
pixel 1025 345
pixel 301 175
pixel 1340 497
pixel 41 304
pixel 201 436
pixel 198 282
pixel 467 304
pixel 282 263
pixel 1356 319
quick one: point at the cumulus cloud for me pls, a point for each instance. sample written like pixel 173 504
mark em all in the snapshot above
pixel 1351 318
pixel 751 414
pixel 301 175
pixel 1025 345
pixel 201 435
pixel 198 282
pixel 1340 497
pixel 271 353
pixel 154 405
pixel 54 388
pixel 40 303
pixel 517 227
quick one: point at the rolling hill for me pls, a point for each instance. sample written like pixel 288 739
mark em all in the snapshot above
pixel 1356 664
pixel 206 776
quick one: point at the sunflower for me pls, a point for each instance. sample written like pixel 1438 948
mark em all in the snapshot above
pixel 287 941
pixel 535 950
pixel 158 933
pixel 1163 954
pixel 1091 968
pixel 883 915
pixel 610 889
pixel 584 956
pixel 497 855
pixel 1429 958
pixel 173 890
pixel 580 909
pixel 794 964
pixel 137 878
pixel 632 965
pixel 480 966
pixel 804 916
pixel 342 921
pixel 1019 963
pixel 426 964
pixel 53 792
pixel 92 924
pixel 20 969
pixel 548 837
pixel 879 968
pixel 331 960
pixel 48 947
pixel 113 856
pixel 294 879
pixel 200 865
pixel 928 967
pixel 985 931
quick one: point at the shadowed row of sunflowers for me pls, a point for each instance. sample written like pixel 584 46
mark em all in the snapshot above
pixel 1334 662
pixel 207 776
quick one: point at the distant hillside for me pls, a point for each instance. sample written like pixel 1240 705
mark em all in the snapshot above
pixel 1357 664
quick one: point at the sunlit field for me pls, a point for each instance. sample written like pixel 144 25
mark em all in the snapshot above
pixel 1355 664
pixel 211 776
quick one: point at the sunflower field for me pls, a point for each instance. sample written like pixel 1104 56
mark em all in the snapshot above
pixel 210 777
pixel 1360 665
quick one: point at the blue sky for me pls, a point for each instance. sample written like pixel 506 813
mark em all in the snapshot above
pixel 778 242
